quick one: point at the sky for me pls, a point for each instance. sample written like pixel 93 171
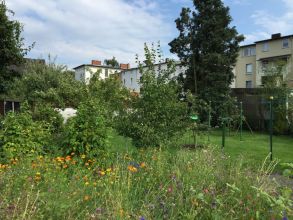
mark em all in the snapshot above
pixel 74 32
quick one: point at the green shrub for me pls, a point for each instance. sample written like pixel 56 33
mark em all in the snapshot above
pixel 46 113
pixel 87 133
pixel 21 136
pixel 156 115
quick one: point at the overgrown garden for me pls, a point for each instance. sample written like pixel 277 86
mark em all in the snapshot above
pixel 51 169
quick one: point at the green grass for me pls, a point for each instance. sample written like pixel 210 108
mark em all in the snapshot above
pixel 253 148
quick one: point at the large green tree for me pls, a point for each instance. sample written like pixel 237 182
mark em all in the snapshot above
pixel 12 47
pixel 208 45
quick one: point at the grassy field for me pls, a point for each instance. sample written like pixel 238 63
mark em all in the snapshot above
pixel 253 148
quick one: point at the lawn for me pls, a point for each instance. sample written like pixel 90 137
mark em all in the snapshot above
pixel 253 147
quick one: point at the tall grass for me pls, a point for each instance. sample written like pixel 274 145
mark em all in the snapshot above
pixel 144 184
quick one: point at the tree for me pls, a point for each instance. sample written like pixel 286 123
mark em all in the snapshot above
pixel 274 85
pixel 48 84
pixel 209 47
pixel 112 62
pixel 12 47
pixel 156 115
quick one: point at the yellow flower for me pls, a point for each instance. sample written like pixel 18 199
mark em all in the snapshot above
pixel 132 169
pixel 82 156
pixel 87 183
pixel 102 173
pixel 86 198
pixel 109 170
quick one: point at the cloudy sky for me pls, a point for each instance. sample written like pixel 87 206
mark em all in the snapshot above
pixel 77 31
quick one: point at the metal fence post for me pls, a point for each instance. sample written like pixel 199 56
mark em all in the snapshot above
pixel 241 120
pixel 271 127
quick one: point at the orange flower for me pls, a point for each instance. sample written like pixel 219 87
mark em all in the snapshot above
pixel 68 158
pixel 65 166
pixel 142 165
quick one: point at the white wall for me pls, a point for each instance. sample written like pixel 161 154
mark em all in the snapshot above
pixel 85 73
pixel 130 78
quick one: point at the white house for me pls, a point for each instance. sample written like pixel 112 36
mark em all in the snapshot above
pixel 85 72
pixel 130 77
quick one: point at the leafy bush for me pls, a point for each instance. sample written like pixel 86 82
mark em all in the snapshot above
pixel 87 133
pixel 110 93
pixel 21 136
pixel 53 119
pixel 50 84
pixel 156 115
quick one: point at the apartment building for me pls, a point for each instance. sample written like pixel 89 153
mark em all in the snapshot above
pixel 85 72
pixel 256 59
pixel 130 77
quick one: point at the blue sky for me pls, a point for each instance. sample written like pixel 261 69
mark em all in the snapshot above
pixel 75 32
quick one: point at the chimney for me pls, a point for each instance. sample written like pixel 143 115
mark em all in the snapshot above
pixel 124 66
pixel 276 36
pixel 96 62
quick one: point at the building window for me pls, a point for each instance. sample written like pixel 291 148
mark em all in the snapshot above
pixel 249 68
pixel 265 47
pixel 249 51
pixel 286 43
pixel 249 84
pixel 106 73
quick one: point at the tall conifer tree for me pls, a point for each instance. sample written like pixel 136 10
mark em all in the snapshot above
pixel 208 45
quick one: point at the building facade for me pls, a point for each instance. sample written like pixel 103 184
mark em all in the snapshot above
pixel 86 71
pixel 256 60
pixel 130 78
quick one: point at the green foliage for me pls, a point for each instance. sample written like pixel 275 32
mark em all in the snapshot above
pixel 50 84
pixel 209 46
pixel 157 114
pixel 21 136
pixel 275 86
pixel 112 62
pixel 46 113
pixel 87 133
pixel 12 47
pixel 110 94
pixel 149 184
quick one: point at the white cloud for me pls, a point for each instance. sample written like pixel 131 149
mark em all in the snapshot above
pixel 78 31
pixel 270 24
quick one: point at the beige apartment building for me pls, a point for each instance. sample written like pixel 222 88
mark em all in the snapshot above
pixel 255 61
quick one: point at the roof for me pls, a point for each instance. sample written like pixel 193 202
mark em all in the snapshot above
pixel 271 39
pixel 248 45
pixel 101 66
pixel 135 68
pixel 278 38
